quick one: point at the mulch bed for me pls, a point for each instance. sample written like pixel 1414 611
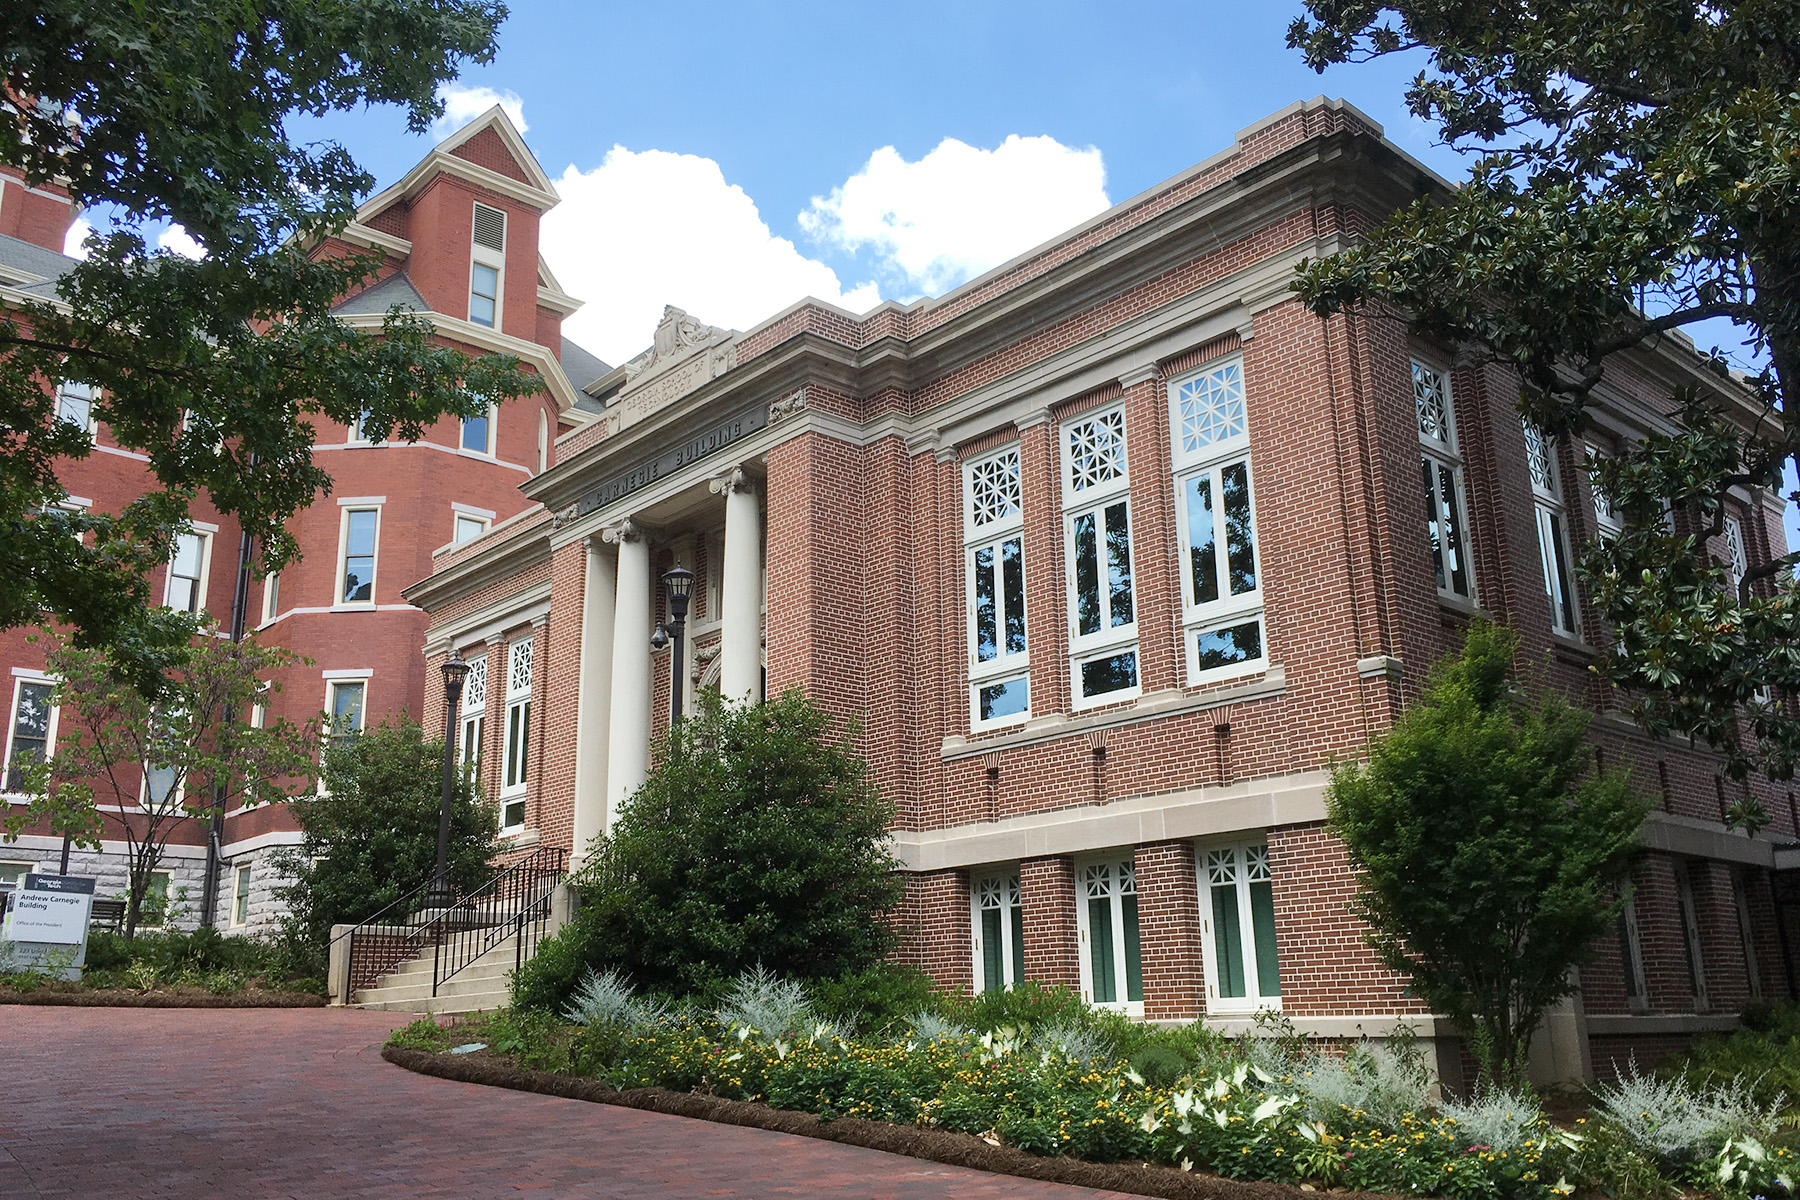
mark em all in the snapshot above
pixel 164 998
pixel 933 1145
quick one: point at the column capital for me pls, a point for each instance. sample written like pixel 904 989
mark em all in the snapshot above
pixel 594 542
pixel 625 531
pixel 735 480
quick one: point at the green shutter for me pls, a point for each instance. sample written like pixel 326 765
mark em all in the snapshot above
pixel 1100 950
pixel 1262 922
pixel 1134 967
pixel 1228 941
pixel 991 978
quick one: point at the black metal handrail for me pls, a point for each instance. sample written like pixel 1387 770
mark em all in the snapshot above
pixel 516 901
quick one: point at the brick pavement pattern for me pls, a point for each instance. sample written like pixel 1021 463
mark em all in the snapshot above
pixel 298 1102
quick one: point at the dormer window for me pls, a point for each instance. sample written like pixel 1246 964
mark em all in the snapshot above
pixel 487 256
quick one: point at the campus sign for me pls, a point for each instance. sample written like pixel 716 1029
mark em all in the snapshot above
pixel 47 922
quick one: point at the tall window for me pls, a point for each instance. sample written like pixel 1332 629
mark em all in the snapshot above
pixel 1740 896
pixel 543 449
pixel 478 432
pixel 29 732
pixel 487 259
pixel 1097 536
pixel 75 404
pixel 515 757
pixel 345 706
pixel 1221 587
pixel 1690 935
pixel 164 778
pixel 1237 914
pixel 474 717
pixel 1552 529
pixel 361 527
pixel 1608 520
pixel 1107 913
pixel 240 896
pixel 1631 956
pixel 994 580
pixel 186 590
pixel 1440 462
pixel 1737 560
pixel 271 606
pixel 999 931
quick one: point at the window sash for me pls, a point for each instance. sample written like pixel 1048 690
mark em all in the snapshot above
pixel 1690 936
pixel 1631 956
pixel 1746 935
pixel 348 699
pixel 477 434
pixel 468 529
pixel 187 571
pixel 271 596
pixel 1099 544
pixel 999 928
pixel 362 527
pixel 515 760
pixel 240 897
pixel 29 730
pixel 1446 527
pixel 75 404
pixel 996 600
pixel 1237 910
pixel 484 293
pixel 1559 580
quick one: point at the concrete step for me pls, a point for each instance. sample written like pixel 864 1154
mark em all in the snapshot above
pixel 481 985
pixel 473 1002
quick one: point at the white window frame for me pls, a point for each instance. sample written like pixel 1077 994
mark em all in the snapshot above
pixel 1737 558
pixel 515 749
pixel 1440 450
pixel 20 682
pixel 172 802
pixel 343 557
pixel 1556 552
pixel 1608 520
pixel 471 723
pixel 1203 449
pixel 998 891
pixel 25 866
pixel 476 526
pixel 73 391
pixel 487 256
pixel 1688 913
pixel 1089 498
pixel 488 444
pixel 197 587
pixel 347 679
pixel 168 896
pixel 1247 859
pixel 543 443
pixel 271 596
pixel 240 896
pixel 995 476
pixel 1121 882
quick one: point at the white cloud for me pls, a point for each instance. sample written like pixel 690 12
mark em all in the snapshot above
pixel 177 240
pixel 650 228
pixel 959 211
pixel 78 231
pixel 464 104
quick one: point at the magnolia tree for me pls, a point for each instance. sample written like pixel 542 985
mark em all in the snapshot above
pixel 1632 173
pixel 1489 851
pixel 139 769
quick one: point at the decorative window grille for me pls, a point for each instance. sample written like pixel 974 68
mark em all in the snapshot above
pixel 474 716
pixel 1608 520
pixel 994 571
pixel 1237 913
pixel 1111 966
pixel 1097 535
pixel 1222 625
pixel 1440 464
pixel 516 757
pixel 1553 530
pixel 999 932
pixel 1737 561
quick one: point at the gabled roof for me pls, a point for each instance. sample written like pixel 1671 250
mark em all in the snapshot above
pixel 537 190
pixel 396 289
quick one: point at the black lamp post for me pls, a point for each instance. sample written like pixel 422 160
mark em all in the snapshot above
pixel 679 586
pixel 455 671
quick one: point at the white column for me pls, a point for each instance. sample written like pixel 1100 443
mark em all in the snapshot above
pixel 593 711
pixel 628 736
pixel 740 592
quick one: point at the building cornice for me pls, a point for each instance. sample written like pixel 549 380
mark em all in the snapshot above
pixel 506 554
pixel 491 340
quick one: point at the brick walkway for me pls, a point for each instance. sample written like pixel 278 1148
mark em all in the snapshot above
pixel 276 1103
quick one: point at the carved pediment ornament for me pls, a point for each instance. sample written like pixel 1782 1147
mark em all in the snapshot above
pixel 788 405
pixel 676 334
pixel 564 515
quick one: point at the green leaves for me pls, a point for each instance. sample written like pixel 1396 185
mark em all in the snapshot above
pixel 1487 852
pixel 1633 172
pixel 214 370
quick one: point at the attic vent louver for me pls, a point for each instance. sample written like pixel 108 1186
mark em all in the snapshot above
pixel 490 228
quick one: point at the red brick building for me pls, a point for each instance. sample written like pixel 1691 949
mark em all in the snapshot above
pixel 1112 550
pixel 460 235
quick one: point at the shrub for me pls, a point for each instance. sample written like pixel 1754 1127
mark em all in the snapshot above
pixel 1383 1083
pixel 1762 1059
pixel 374 837
pixel 1681 1124
pixel 759 1003
pixel 879 999
pixel 757 839
pixel 1023 1006
pixel 1496 1118
pixel 606 997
